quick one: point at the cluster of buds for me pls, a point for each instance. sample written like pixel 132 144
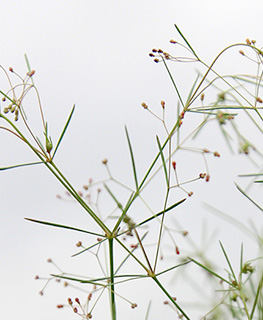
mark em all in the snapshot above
pixel 215 153
pixel 222 117
pixel 75 309
pixel 247 268
pixel 13 108
pixel 157 53
pixel 250 42
pixel 204 176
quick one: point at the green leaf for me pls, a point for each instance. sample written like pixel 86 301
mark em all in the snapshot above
pixel 192 89
pixel 173 82
pixel 247 196
pixel 20 165
pixel 211 271
pixel 228 262
pixel 161 212
pixel 163 161
pixel 64 131
pixel 132 159
pixel 185 40
pixel 64 227
pixel 119 205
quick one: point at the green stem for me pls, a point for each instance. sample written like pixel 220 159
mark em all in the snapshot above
pixel 170 297
pixel 112 292
pixel 56 172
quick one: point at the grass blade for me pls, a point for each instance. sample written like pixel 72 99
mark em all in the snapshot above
pixel 64 130
pixel 246 195
pixel 119 205
pixel 211 271
pixel 64 227
pixel 132 159
pixel 188 44
pixel 163 161
pixel 161 212
pixel 20 165
pixel 228 262
pixel 259 292
pixel 173 82
pixel 192 89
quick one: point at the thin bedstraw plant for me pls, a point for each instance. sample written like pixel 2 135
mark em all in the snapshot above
pixel 46 156
pixel 45 151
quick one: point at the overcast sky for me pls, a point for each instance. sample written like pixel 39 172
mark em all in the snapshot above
pixel 95 54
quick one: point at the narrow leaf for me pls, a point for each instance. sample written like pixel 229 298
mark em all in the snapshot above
pixel 246 195
pixel 64 130
pixel 119 205
pixel 192 89
pixel 132 159
pixel 163 161
pixel 63 227
pixel 211 271
pixel 20 165
pixel 228 262
pixel 161 212
pixel 188 44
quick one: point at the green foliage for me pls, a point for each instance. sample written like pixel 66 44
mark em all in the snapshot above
pixel 241 291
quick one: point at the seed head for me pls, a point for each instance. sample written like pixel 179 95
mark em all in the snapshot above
pixel 162 104
pixel 172 41
pixel 31 73
pixel 104 161
pixel 79 244
pixel 144 105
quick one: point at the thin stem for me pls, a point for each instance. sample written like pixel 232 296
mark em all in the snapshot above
pixel 112 291
pixel 170 297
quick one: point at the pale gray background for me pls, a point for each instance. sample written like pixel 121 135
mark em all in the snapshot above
pixel 95 54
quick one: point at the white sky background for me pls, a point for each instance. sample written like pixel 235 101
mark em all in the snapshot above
pixel 95 54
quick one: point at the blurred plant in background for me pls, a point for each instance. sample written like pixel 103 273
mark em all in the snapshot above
pixel 128 246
